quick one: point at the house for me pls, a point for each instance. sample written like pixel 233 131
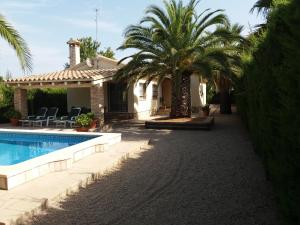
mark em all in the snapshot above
pixel 90 84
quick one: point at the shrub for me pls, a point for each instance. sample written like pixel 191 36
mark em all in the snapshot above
pixel 268 99
pixel 84 120
pixel 12 114
pixel 6 96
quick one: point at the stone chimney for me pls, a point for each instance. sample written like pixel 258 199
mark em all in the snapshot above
pixel 74 51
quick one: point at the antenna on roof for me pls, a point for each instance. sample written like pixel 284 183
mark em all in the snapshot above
pixel 97 11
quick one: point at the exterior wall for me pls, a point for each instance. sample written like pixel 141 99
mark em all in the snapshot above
pixel 97 102
pixel 203 91
pixel 198 94
pixel 166 87
pixel 20 101
pixel 105 97
pixel 144 108
pixel 79 97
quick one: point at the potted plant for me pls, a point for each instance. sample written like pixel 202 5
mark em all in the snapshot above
pixel 84 122
pixel 14 116
pixel 94 120
pixel 206 110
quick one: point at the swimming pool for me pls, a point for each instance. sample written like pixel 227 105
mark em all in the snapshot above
pixel 26 155
pixel 19 147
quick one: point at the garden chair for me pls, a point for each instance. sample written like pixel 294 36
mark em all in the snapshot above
pixel 51 116
pixel 70 119
pixel 41 114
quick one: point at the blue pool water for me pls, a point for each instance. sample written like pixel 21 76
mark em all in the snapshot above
pixel 19 147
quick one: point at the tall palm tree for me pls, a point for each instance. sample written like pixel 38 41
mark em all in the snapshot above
pixel 174 43
pixel 9 34
pixel 234 44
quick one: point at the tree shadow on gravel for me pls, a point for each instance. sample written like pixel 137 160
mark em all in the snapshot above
pixel 184 177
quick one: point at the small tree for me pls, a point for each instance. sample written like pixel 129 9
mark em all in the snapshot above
pixel 108 52
pixel 88 48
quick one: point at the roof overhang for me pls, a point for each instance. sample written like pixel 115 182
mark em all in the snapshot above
pixel 64 79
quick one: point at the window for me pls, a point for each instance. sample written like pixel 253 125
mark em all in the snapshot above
pixel 154 91
pixel 142 89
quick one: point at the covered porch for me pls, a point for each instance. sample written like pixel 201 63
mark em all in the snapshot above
pixel 85 88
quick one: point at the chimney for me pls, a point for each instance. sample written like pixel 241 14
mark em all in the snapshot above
pixel 74 51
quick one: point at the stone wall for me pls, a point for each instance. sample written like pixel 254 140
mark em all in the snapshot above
pixel 98 102
pixel 20 101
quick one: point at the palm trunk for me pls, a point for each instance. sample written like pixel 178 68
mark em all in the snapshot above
pixel 225 102
pixel 181 97
pixel 223 85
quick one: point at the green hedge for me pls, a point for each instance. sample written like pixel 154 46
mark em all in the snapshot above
pixel 6 100
pixel 53 97
pixel 268 101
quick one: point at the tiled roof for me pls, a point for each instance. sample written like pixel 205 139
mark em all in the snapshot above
pixel 67 75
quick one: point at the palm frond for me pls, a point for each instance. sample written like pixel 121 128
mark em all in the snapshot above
pixel 13 38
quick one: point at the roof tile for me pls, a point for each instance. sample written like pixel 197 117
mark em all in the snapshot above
pixel 67 75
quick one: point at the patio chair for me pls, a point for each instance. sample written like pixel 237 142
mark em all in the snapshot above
pixel 51 116
pixel 70 119
pixel 41 114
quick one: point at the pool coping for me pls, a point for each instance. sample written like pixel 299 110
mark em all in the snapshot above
pixel 14 175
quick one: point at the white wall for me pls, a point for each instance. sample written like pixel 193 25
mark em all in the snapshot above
pixel 80 97
pixel 203 91
pixel 198 93
pixel 143 108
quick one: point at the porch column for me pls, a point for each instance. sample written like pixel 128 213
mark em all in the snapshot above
pixel 97 102
pixel 20 101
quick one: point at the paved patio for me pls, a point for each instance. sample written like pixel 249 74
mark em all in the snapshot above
pixel 20 203
pixel 185 177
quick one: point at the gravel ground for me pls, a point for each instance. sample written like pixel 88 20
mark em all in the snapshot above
pixel 187 177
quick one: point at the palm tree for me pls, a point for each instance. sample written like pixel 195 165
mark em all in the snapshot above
pixel 262 6
pixel 234 45
pixel 174 43
pixel 8 33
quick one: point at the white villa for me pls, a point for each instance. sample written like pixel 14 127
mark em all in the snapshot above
pixel 90 84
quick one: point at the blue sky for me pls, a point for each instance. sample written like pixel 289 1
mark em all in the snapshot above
pixel 46 25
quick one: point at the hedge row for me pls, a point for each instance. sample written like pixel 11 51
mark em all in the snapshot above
pixel 38 98
pixel 268 100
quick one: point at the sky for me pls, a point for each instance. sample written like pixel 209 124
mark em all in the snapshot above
pixel 46 26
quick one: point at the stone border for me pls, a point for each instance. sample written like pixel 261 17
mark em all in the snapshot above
pixel 14 175
pixel 206 124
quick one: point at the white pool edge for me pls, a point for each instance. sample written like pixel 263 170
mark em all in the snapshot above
pixel 14 175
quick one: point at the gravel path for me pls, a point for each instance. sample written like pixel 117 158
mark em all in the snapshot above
pixel 187 177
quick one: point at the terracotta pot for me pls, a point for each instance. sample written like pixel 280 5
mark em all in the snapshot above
pixel 82 129
pixel 94 124
pixel 14 121
pixel 206 113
